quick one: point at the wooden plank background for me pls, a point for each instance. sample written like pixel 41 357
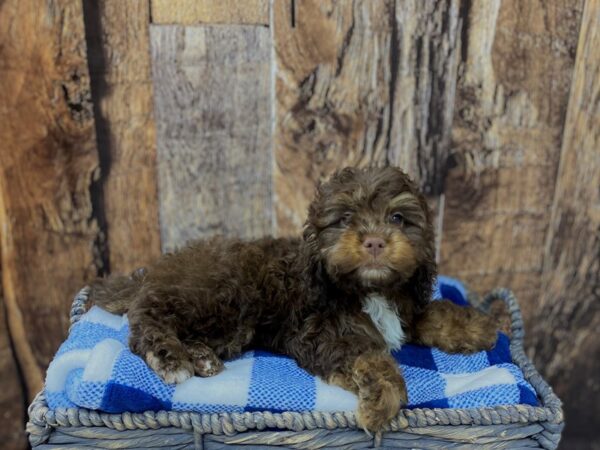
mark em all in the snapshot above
pixel 131 126
pixel 565 324
pixel 213 114
pixel 511 102
pixel 117 36
pixel 360 83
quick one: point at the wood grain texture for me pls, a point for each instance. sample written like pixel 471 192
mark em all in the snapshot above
pixel 118 44
pixel 191 12
pixel 361 83
pixel 47 161
pixel 511 102
pixel 12 398
pixel 565 329
pixel 212 90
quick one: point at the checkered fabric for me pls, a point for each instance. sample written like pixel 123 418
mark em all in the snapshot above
pixel 94 369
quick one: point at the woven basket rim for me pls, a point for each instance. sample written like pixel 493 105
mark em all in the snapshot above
pixel 42 419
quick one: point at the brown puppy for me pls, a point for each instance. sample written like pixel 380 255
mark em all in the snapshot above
pixel 355 286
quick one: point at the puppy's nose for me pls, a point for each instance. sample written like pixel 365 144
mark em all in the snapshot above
pixel 374 245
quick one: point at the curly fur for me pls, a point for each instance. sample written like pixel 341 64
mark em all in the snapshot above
pixel 304 297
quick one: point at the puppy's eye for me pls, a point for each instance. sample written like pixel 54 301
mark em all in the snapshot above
pixel 346 218
pixel 397 219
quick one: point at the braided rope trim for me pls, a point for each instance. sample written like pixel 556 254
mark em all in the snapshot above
pixel 43 419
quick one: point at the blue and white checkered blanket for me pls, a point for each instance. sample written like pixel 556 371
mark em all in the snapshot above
pixel 95 369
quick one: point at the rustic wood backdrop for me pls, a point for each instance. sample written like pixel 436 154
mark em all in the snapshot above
pixel 130 126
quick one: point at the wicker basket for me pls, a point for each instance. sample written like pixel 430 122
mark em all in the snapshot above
pixel 501 427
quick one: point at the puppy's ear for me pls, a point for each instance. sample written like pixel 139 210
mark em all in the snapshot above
pixel 421 284
pixel 310 230
pixel 311 258
pixel 310 233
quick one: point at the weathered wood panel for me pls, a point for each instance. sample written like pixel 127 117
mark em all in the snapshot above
pixel 119 60
pixel 565 329
pixel 47 161
pixel 360 83
pixel 511 102
pixel 213 95
pixel 191 12
pixel 12 399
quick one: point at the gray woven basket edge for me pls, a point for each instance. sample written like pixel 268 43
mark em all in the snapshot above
pixel 42 419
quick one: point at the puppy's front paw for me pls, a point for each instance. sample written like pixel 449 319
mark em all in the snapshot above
pixel 381 391
pixel 206 361
pixel 170 370
pixel 208 366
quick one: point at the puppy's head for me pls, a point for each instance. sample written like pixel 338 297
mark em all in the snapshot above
pixel 372 227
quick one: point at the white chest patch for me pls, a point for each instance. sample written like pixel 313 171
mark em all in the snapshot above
pixel 385 317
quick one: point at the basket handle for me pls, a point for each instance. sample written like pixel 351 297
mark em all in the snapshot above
pixel 79 305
